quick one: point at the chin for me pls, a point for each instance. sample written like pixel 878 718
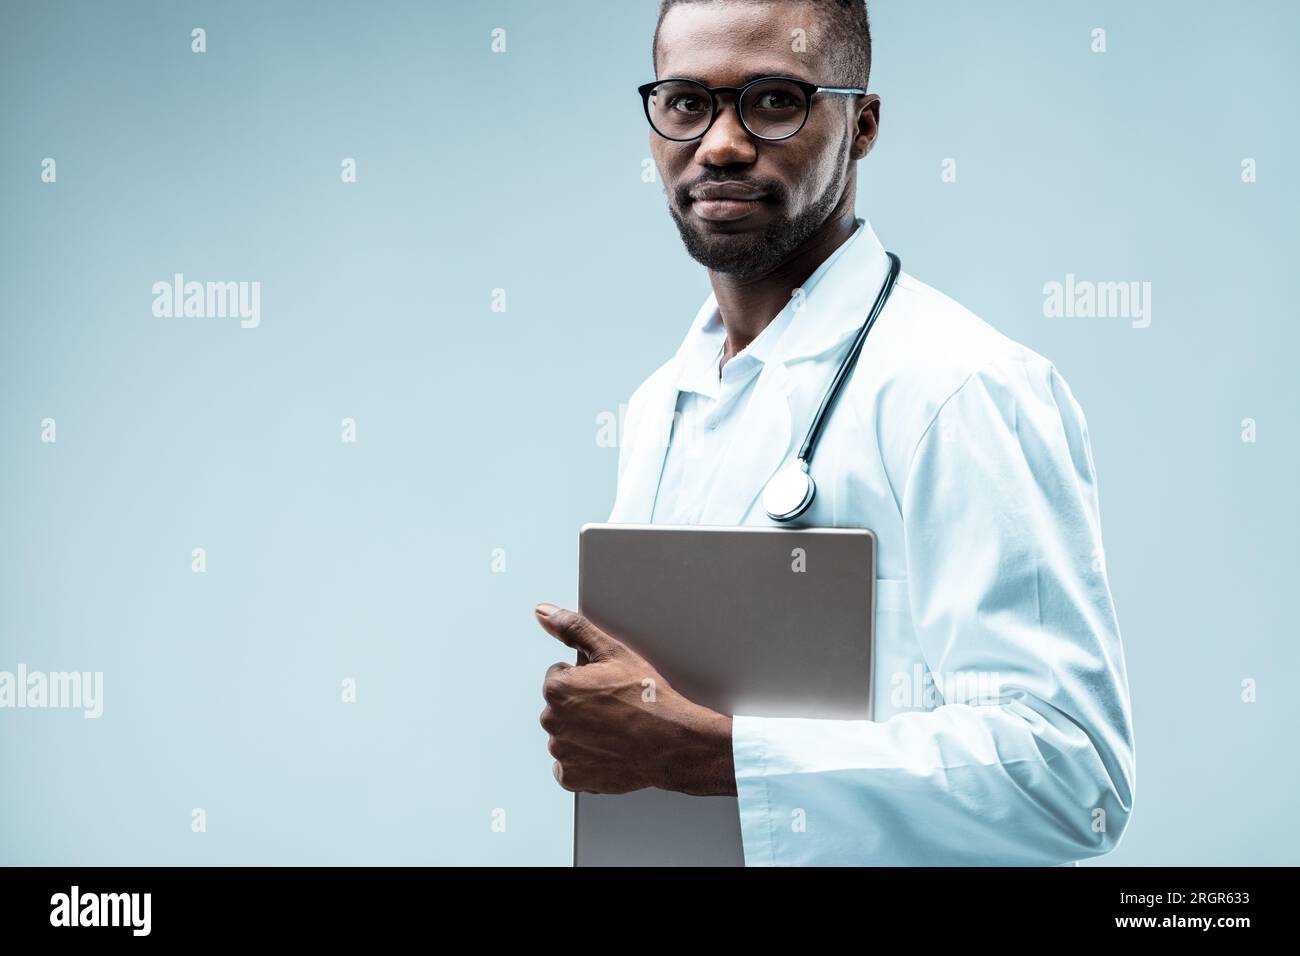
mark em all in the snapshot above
pixel 738 259
pixel 736 248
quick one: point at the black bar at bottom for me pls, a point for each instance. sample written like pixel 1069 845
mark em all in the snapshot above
pixel 967 907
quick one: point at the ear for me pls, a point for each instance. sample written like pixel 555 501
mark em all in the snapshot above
pixel 868 126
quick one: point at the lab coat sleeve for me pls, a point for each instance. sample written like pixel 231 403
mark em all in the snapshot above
pixel 1007 584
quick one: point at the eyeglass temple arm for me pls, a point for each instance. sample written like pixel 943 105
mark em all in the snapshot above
pixel 844 90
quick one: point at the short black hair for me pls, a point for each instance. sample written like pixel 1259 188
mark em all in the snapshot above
pixel 845 23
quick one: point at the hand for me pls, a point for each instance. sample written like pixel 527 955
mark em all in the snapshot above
pixel 616 725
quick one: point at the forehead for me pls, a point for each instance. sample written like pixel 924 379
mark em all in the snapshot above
pixel 727 42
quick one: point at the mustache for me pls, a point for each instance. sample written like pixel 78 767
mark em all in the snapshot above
pixel 772 188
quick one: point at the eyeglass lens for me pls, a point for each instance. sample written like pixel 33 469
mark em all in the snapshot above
pixel 772 109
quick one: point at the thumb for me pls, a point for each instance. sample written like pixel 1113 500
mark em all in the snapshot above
pixel 573 629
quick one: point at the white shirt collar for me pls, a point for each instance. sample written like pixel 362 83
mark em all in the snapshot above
pixel 815 319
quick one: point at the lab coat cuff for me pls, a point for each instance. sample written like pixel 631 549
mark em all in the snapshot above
pixel 749 760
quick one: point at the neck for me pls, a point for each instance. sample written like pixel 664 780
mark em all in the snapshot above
pixel 748 305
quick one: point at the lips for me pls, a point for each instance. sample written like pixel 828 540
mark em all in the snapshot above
pixel 726 191
pixel 725 202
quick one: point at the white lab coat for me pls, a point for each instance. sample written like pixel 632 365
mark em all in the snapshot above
pixel 968 456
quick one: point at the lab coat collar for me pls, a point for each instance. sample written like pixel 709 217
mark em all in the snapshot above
pixel 833 304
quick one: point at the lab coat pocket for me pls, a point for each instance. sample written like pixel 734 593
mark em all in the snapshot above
pixel 891 595
pixel 895 650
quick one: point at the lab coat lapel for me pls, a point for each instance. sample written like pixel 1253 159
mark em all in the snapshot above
pixel 798 369
pixel 649 426
pixel 762 444
pixel 838 303
pixel 647 435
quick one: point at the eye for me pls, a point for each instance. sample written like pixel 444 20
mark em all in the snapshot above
pixel 687 103
pixel 775 100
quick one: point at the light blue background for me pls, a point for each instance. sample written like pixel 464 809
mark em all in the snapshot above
pixel 477 430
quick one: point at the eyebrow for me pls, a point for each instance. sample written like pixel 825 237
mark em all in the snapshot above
pixel 747 78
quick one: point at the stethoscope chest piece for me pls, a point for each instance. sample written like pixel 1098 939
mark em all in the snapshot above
pixel 789 492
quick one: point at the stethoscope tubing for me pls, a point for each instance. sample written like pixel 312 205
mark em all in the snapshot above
pixel 846 367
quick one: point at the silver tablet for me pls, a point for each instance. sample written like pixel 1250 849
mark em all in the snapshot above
pixel 769 622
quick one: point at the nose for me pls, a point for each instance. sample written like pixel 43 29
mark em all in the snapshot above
pixel 727 143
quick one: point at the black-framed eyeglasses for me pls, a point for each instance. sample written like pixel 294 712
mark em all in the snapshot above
pixel 770 107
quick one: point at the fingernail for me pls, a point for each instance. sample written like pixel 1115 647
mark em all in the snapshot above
pixel 545 610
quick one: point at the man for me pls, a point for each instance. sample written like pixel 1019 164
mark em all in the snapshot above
pixel 963 451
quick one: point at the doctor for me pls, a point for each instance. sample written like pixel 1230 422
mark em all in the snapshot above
pixel 1003 732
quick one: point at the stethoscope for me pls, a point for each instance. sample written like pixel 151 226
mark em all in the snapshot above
pixel 791 490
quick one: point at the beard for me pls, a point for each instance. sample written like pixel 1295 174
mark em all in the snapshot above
pixel 754 253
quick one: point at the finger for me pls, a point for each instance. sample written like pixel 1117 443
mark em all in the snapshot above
pixel 548 721
pixel 552 674
pixel 573 629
